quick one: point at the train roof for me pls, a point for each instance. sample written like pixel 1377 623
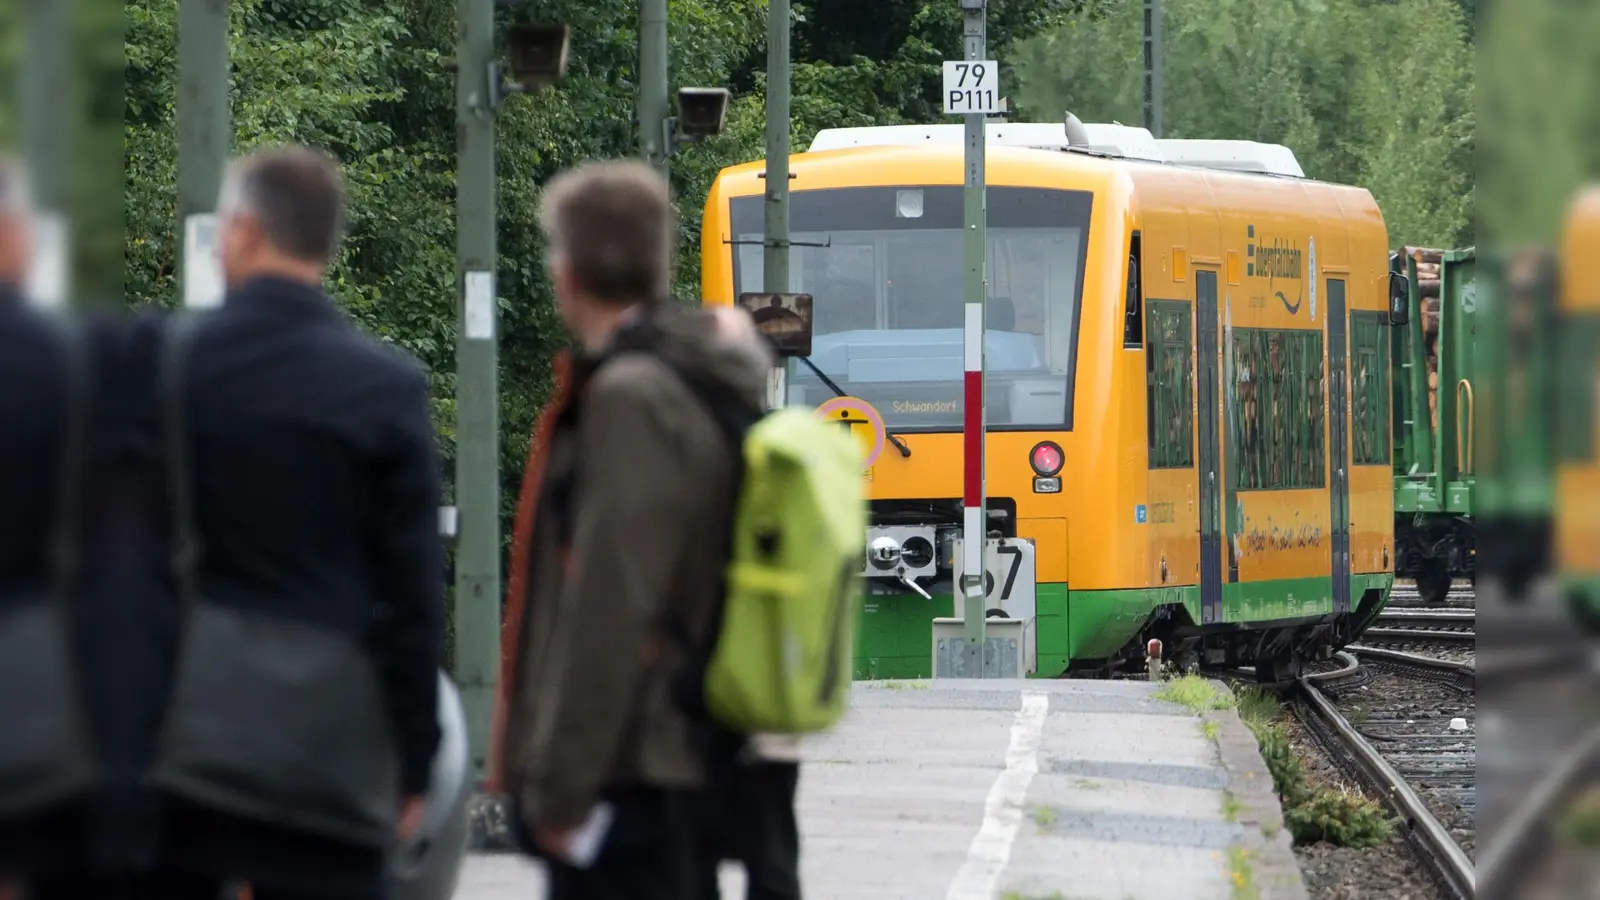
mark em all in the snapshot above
pixel 1112 140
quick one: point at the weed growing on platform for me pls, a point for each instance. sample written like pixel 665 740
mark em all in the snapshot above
pixel 1241 874
pixel 1045 817
pixel 1195 693
pixel 1580 824
pixel 1231 806
pixel 1210 730
pixel 1256 706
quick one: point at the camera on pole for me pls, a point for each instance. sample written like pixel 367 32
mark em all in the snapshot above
pixel 538 59
pixel 701 113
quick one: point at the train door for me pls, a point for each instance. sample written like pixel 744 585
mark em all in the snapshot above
pixel 1206 380
pixel 1339 445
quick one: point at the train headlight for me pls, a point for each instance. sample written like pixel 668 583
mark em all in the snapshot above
pixel 917 552
pixel 884 552
pixel 908 204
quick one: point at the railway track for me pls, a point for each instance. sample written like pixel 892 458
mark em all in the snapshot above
pixel 1461 596
pixel 1413 746
pixel 1449 633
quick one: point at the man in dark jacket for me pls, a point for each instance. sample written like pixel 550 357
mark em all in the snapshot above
pixel 625 557
pixel 315 493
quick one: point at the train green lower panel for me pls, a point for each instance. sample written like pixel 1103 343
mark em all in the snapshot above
pixel 894 637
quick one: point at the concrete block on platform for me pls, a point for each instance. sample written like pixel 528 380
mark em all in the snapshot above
pixel 1020 789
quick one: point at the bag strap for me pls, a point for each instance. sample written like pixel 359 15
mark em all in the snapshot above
pixel 66 533
pixel 177 334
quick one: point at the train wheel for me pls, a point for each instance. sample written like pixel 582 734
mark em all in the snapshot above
pixel 1433 582
pixel 1187 662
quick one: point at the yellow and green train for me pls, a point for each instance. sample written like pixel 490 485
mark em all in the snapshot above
pixel 1188 398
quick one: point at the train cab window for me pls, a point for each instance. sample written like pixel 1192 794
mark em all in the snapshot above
pixel 1132 324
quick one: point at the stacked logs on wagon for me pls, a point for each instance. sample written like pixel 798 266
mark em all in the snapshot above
pixel 1428 274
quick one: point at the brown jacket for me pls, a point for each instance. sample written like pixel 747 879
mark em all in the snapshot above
pixel 638 544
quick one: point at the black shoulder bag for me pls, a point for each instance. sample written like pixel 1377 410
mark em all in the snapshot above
pixel 47 752
pixel 271 718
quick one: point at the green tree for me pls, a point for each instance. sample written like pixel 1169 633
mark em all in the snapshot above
pixel 1540 61
pixel 1375 94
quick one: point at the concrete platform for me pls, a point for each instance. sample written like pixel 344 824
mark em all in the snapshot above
pixel 1021 790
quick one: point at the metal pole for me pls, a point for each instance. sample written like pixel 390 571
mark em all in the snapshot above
pixel 653 83
pixel 775 261
pixel 47 140
pixel 477 487
pixel 975 531
pixel 203 142
pixel 1152 67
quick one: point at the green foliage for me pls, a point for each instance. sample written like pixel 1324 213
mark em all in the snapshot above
pixel 1374 94
pixel 1288 776
pixel 1195 693
pixel 1540 66
pixel 1340 817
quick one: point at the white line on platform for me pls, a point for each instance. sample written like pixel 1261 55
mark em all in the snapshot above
pixel 1002 815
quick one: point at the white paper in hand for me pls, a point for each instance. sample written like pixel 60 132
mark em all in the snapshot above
pixel 590 836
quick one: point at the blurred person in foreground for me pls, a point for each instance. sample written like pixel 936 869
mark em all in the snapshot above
pixel 601 750
pixel 293 731
pixel 48 770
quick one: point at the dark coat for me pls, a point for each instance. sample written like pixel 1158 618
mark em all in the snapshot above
pixel 316 491
pixel 635 500
pixel 33 407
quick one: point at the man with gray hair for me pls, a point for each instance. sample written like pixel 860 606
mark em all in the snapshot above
pixel 313 490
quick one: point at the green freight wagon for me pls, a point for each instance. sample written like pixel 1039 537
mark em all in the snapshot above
pixel 1435 420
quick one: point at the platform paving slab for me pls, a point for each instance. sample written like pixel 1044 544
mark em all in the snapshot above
pixel 1016 790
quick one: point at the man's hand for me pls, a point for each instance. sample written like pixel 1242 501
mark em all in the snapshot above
pixel 411 810
pixel 555 841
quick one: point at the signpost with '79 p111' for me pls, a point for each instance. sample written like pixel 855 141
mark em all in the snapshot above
pixel 961 647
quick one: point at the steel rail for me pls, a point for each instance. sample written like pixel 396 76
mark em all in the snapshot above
pixel 1446 856
pixel 1412 634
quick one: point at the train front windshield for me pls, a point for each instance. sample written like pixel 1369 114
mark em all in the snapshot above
pixel 885 268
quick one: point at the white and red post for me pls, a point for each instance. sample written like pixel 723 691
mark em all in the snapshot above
pixel 975 520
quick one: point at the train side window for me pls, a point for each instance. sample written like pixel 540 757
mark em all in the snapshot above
pixel 1132 325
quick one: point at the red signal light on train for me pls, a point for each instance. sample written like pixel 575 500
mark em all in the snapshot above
pixel 1046 459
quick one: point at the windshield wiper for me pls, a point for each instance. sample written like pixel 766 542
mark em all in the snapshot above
pixel 894 439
